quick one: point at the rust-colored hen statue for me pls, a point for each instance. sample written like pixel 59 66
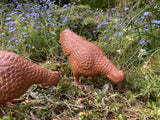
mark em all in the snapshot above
pixel 88 59
pixel 17 74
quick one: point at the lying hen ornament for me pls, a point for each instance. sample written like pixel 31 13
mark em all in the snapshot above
pixel 17 74
pixel 88 59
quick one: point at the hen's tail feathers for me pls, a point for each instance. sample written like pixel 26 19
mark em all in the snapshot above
pixel 64 38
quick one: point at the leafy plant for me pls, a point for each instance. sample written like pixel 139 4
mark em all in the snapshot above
pixel 102 4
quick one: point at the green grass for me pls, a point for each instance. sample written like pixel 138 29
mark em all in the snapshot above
pixel 121 40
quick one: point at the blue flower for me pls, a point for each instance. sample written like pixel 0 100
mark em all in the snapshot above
pixel 146 13
pixel 23 33
pixel 50 3
pixel 25 36
pixel 10 23
pixel 12 30
pixel 105 36
pixel 64 20
pixel 14 1
pixel 94 31
pixel 38 27
pixel 102 23
pixel 8 18
pixel 120 33
pixel 117 35
pixel 98 26
pixel 13 46
pixel 146 25
pixel 3 34
pixel 120 24
pixel 145 29
pixel 157 26
pixel 29 45
pixel 144 52
pixel 49 15
pixel 7 44
pixel 53 24
pixel 50 19
pixel 33 23
pixel 107 30
pixel 65 6
pixel 126 8
pixel 9 38
pixel 123 26
pixel 48 11
pixel 110 18
pixel 15 38
pixel 102 12
pixel 62 15
pixel 21 14
pixel 25 5
pixel 22 19
pixel 156 21
pixel 26 22
pixel 13 13
pixel 12 39
pixel 20 40
pixel 142 42
pixel 31 8
pixel 142 17
pixel 155 7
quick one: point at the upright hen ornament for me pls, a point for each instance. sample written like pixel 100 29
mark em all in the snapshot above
pixel 17 74
pixel 88 59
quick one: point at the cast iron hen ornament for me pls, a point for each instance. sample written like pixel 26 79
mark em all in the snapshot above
pixel 88 59
pixel 17 74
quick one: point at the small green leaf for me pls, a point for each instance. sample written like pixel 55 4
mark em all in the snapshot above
pixel 53 33
pixel 10 116
pixel 105 88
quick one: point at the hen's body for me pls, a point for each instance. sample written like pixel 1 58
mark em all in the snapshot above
pixel 17 74
pixel 86 58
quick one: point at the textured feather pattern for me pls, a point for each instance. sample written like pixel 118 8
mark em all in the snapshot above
pixel 17 74
pixel 88 59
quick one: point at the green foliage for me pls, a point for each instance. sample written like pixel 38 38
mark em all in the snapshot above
pixel 9 117
pixel 95 3
pixel 102 4
pixel 64 2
